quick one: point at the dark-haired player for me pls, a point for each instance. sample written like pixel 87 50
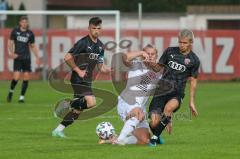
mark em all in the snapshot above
pixel 21 41
pixel 182 65
pixel 83 57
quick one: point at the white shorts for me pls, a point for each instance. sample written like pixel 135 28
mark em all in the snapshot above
pixel 124 108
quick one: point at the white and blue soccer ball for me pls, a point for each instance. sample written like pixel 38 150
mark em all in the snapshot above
pixel 105 130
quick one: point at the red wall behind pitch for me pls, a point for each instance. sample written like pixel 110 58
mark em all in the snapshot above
pixel 223 49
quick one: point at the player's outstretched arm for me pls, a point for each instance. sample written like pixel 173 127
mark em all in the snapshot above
pixel 103 68
pixel 68 58
pixel 193 86
pixel 36 53
pixel 129 56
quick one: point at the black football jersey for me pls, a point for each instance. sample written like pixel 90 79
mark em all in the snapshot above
pixel 22 39
pixel 179 67
pixel 87 54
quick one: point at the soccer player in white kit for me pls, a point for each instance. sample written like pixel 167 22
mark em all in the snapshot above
pixel 143 76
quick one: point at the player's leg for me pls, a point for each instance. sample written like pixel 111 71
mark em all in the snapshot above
pixel 17 68
pixel 26 68
pixel 134 117
pixel 26 76
pixel 16 77
pixel 165 119
pixel 142 133
pixel 155 112
pixel 78 105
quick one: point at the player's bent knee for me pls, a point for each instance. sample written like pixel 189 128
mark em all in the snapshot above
pixel 143 135
pixel 91 101
pixel 137 113
pixel 155 119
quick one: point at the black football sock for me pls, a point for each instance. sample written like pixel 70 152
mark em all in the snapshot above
pixel 13 85
pixel 79 103
pixel 24 87
pixel 161 125
pixel 69 118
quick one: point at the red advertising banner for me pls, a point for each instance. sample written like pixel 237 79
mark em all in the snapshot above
pixel 218 50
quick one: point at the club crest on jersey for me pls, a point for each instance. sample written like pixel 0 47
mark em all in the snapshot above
pixel 187 61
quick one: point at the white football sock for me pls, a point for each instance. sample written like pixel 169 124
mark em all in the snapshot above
pixel 21 97
pixel 130 140
pixel 60 128
pixel 129 126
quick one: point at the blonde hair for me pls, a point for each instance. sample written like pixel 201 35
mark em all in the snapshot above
pixel 150 46
pixel 186 33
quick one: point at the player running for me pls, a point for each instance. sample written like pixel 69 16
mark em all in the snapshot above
pixel 182 64
pixel 143 77
pixel 82 58
pixel 21 41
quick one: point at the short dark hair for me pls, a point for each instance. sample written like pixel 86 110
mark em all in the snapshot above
pixel 95 21
pixel 23 18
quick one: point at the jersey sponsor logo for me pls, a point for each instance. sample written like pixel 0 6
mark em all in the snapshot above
pixel 186 61
pixel 176 66
pixel 22 39
pixel 93 56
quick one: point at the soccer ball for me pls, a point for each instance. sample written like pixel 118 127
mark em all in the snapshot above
pixel 105 130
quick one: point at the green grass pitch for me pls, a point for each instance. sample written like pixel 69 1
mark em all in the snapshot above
pixel 25 129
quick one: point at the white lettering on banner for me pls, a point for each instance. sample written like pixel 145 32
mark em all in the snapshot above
pixel 1 54
pixel 107 53
pixel 158 42
pixel 173 42
pixel 146 40
pixel 57 53
pixel 221 65
pixel 134 41
pixel 203 47
pixel 204 52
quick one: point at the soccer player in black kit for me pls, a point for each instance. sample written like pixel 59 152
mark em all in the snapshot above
pixel 21 41
pixel 182 64
pixel 82 58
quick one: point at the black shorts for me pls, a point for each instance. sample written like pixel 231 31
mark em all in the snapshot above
pixel 158 103
pixel 22 65
pixel 82 89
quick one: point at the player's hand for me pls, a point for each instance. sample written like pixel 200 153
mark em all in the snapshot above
pixel 13 55
pixel 38 61
pixel 193 110
pixel 145 56
pixel 137 113
pixel 82 73
pixel 107 70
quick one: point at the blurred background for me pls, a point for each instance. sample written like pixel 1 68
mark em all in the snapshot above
pixel 216 25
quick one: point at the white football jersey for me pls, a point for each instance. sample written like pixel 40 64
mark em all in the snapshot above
pixel 140 85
